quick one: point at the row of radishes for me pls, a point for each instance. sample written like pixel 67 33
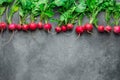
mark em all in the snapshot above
pixel 47 27
pixel 69 12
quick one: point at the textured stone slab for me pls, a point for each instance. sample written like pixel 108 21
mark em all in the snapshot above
pixel 42 56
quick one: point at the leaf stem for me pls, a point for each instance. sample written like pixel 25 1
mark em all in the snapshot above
pixel 7 10
pixel 32 18
pixel 107 17
pixel 46 20
pixel 80 19
pixel 60 23
pixel 41 16
pixel 117 22
pixel 96 25
pixel 0 18
pixel 74 18
pixel 94 14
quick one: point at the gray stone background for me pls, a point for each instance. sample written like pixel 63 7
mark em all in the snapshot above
pixel 43 56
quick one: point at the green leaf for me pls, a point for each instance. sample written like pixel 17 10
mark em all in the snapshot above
pixel 26 4
pixel 93 4
pixel 59 2
pixel 35 9
pixel 42 1
pixel 15 8
pixel 23 3
pixel 21 12
pixel 66 15
pixel 41 7
pixel 80 7
pixel 99 1
pixel 68 4
pixel 2 9
pixel 49 13
pixel 108 5
pixel 54 20
pixel 9 1
pixel 5 1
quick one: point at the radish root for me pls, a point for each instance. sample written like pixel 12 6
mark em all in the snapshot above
pixel 90 32
pixel 10 39
pixel 78 36
pixel 1 33
pixel 51 32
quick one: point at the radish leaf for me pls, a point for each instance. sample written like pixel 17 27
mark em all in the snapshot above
pixel 81 6
pixel 59 2
pixel 2 9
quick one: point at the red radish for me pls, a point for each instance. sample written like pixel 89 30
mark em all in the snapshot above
pixel 18 26
pixel 108 28
pixel 79 29
pixel 69 26
pixel 58 29
pixel 12 27
pixel 63 28
pixel 47 26
pixel 32 26
pixel 84 27
pixel 101 28
pixel 88 27
pixel 3 25
pixel 116 29
pixel 40 25
pixel 25 27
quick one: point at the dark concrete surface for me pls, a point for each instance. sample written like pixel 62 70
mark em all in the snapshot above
pixel 42 56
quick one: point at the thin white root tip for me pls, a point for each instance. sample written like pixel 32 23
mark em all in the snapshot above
pixel 10 39
pixel 51 32
pixel 90 32
pixel 78 36
pixel 1 34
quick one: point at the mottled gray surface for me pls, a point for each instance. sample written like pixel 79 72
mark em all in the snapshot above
pixel 44 56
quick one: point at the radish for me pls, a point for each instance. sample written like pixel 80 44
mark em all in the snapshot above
pixel 9 14
pixel 84 27
pixel 108 28
pixel 58 29
pixel 116 29
pixel 63 28
pixel 94 7
pixel 88 27
pixel 69 26
pixel 101 28
pixel 3 25
pixel 47 27
pixel 79 30
pixel 25 27
pixel 12 27
pixel 40 25
pixel 18 27
pixel 32 26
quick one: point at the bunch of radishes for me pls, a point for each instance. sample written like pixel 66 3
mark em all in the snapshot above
pixel 47 27
pixel 89 27
pixel 33 26
pixel 69 15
